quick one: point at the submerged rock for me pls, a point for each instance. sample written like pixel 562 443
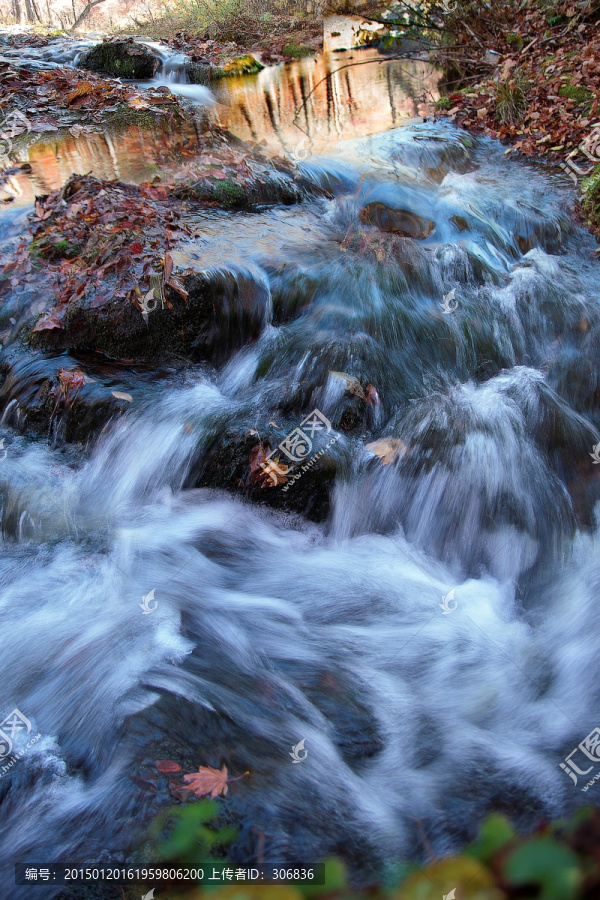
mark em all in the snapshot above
pixel 397 221
pixel 121 59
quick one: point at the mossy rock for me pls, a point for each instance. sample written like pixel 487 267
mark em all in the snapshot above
pixel 265 190
pixel 199 74
pixel 120 59
pixel 243 65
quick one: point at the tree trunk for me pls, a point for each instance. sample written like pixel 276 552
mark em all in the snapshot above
pixel 84 14
pixel 31 12
pixel 17 12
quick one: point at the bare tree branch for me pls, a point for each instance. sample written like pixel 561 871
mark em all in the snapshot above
pixel 84 14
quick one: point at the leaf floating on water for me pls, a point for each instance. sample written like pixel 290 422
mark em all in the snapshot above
pixel 387 449
pixel 207 781
pixel 352 384
pixel 121 395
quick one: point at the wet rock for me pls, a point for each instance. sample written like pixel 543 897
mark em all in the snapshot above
pixel 397 221
pixel 270 188
pixel 461 223
pixel 233 457
pixel 60 396
pixel 222 310
pixel 120 59
pixel 199 74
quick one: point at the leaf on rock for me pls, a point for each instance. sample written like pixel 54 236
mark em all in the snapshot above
pixel 387 449
pixel 177 286
pixel 352 384
pixel 121 395
pixel 207 781
pixel 167 765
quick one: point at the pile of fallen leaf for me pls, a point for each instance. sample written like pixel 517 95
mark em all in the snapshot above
pixel 205 51
pixel 97 241
pixel 28 39
pixel 544 54
pixel 94 239
pixel 87 97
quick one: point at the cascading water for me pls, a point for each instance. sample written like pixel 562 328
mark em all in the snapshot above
pixel 270 628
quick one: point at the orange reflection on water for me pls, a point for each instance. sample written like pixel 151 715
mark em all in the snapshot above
pixel 324 99
pixel 299 108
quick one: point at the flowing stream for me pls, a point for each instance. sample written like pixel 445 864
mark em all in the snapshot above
pixel 419 715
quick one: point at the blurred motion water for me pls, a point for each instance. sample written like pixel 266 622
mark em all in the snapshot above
pixel 271 628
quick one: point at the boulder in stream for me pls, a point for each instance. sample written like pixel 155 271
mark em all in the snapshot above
pixel 120 59
pixel 397 221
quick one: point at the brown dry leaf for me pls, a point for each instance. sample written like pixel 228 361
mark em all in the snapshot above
pixel 137 103
pixel 168 266
pixel 387 449
pixel 69 379
pixel 207 781
pixel 81 90
pixel 177 286
pixel 268 476
pixel 352 384
pixel 167 765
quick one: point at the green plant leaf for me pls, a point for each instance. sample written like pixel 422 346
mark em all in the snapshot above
pixel 494 834
pixel 547 864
